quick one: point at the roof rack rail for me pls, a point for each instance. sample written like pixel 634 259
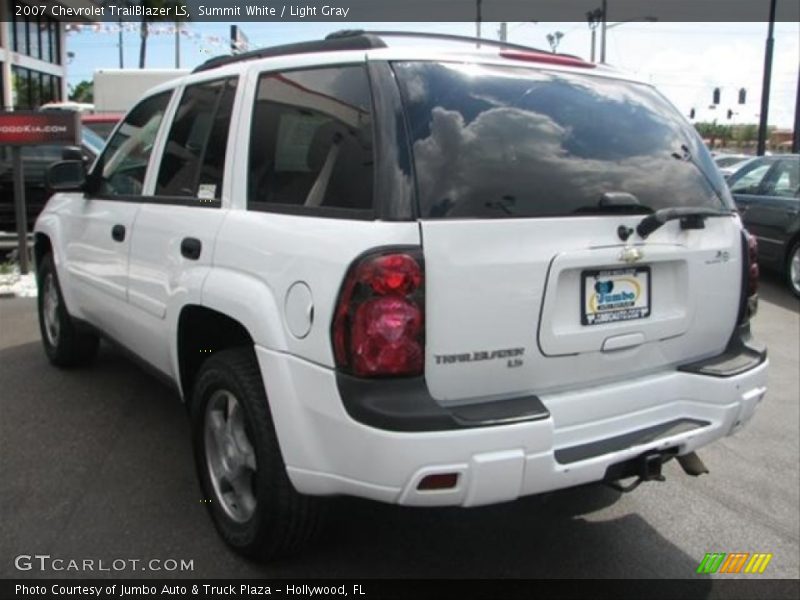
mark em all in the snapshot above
pixel 354 41
pixel 450 37
pixel 359 39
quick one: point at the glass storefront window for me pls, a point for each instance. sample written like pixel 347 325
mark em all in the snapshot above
pixel 55 43
pixel 44 37
pixel 20 35
pixel 37 37
pixel 34 47
pixel 31 89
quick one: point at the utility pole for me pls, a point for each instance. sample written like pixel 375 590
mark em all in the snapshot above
pixel 121 60
pixel 478 22
pixel 603 27
pixel 177 44
pixel 762 125
pixel 593 18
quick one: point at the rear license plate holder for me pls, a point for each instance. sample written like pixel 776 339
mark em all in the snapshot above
pixel 615 295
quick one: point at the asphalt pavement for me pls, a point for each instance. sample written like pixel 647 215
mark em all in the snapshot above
pixel 96 464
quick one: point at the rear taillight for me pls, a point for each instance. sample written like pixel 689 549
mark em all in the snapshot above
pixel 750 274
pixel 379 324
pixel 752 265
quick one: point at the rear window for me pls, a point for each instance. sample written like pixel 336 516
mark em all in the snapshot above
pixel 498 142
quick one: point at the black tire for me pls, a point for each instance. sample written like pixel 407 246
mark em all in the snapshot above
pixel 64 344
pixel 282 521
pixel 792 281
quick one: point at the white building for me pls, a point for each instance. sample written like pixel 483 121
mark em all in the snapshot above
pixel 33 55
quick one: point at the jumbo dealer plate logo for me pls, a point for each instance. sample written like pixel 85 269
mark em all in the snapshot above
pixel 609 295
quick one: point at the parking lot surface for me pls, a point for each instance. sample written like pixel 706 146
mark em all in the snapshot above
pixel 96 464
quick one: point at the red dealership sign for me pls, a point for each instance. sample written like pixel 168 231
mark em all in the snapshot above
pixel 30 128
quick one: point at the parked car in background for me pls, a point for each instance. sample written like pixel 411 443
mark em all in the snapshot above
pixel 35 161
pixel 101 123
pixel 81 107
pixel 728 160
pixel 767 194
pixel 730 163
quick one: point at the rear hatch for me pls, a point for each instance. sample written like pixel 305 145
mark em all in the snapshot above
pixel 531 184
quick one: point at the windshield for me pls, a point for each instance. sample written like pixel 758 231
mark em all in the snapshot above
pixel 496 141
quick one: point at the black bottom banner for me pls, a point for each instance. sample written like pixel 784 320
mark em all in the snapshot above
pixel 374 589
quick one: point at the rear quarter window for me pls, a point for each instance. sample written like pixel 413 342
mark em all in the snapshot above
pixel 498 142
pixel 311 143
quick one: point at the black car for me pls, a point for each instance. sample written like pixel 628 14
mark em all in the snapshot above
pixel 767 193
pixel 35 160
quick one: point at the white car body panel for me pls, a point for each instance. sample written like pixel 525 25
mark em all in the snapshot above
pixel 516 284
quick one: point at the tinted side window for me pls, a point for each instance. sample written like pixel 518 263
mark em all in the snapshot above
pixel 747 180
pixel 784 181
pixel 123 164
pixel 194 156
pixel 311 140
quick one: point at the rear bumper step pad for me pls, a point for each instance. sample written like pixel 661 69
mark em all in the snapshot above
pixel 626 440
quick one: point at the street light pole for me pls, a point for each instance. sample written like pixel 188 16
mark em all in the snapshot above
pixel 593 19
pixel 762 125
pixel 478 22
pixel 177 44
pixel 603 27
pixel 121 59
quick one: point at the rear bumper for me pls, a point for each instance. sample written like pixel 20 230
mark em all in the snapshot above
pixel 585 432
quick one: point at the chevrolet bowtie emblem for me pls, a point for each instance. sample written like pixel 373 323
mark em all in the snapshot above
pixel 630 254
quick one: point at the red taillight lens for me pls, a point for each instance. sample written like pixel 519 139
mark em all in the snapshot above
pixel 393 273
pixel 748 303
pixel 752 270
pixel 385 337
pixel 378 328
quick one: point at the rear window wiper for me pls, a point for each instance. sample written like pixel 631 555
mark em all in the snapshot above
pixel 615 203
pixel 692 217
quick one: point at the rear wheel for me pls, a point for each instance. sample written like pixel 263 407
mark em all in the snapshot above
pixel 793 269
pixel 252 502
pixel 64 344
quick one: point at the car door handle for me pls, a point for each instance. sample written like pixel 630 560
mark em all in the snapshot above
pixel 118 233
pixel 191 248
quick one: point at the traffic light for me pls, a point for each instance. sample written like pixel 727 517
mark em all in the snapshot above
pixel 742 95
pixel 730 114
pixel 691 114
pixel 716 95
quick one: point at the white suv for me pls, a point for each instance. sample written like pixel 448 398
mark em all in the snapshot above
pixel 424 277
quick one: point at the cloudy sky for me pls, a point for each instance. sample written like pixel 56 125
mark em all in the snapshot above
pixel 686 61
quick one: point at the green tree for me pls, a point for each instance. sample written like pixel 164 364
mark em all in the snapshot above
pixel 83 92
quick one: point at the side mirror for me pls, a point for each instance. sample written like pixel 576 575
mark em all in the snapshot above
pixel 71 153
pixel 66 176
